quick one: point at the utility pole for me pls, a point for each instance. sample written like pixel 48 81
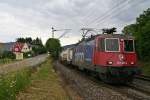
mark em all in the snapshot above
pixel 53 30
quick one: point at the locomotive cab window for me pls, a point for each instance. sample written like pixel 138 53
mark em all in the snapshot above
pixel 101 46
pixel 112 44
pixel 128 45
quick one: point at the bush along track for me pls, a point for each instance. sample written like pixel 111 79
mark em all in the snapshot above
pixel 45 85
pixel 11 84
pixel 14 82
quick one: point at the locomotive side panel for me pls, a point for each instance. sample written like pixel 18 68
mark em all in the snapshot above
pixel 83 54
pixel 88 52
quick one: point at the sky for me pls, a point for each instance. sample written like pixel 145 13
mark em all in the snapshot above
pixel 34 18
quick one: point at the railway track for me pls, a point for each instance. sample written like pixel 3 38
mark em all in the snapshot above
pixel 143 77
pixel 91 88
pixel 141 83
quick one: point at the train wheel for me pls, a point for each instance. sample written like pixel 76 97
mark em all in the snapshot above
pixel 107 78
pixel 103 77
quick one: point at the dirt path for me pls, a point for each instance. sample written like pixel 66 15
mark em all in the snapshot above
pixel 4 69
pixel 45 86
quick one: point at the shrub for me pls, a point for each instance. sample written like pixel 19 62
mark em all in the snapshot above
pixel 8 54
pixel 11 84
pixel 27 54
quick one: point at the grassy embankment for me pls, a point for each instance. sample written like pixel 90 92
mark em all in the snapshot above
pixel 145 66
pixel 12 83
pixel 45 85
pixel 31 84
pixel 5 61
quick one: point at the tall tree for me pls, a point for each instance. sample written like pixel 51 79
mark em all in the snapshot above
pixel 37 41
pixel 53 46
pixel 28 40
pixel 141 31
pixel 22 40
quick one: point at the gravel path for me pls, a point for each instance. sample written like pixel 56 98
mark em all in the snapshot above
pixel 22 64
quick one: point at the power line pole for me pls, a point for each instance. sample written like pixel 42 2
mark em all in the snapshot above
pixel 53 30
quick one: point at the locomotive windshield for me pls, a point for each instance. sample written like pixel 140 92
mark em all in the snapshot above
pixel 129 45
pixel 112 44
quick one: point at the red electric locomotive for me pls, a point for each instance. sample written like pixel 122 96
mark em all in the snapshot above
pixel 111 56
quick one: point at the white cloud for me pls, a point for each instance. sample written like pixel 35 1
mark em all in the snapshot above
pixel 36 17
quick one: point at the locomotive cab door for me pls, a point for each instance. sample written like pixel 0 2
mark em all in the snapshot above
pixel 99 48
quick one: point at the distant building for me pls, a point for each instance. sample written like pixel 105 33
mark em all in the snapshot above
pixel 19 48
pixel 6 46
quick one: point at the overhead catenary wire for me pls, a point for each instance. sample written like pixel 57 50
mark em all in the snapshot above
pixel 110 12
pixel 119 12
pixel 116 5
pixel 65 32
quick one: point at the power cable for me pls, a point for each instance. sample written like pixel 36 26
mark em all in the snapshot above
pixel 109 12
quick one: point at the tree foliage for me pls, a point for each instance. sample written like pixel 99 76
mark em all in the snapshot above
pixel 7 54
pixel 141 31
pixel 37 45
pixel 53 46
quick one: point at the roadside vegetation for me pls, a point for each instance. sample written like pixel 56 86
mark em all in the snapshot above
pixel 5 61
pixel 6 57
pixel 145 66
pixel 53 46
pixel 37 83
pixel 141 31
pixel 45 85
pixel 12 83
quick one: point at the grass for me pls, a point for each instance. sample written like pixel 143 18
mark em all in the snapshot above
pixel 145 66
pixel 40 83
pixel 45 85
pixel 5 61
pixel 11 84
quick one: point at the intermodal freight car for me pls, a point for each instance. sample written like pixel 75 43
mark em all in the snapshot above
pixel 66 56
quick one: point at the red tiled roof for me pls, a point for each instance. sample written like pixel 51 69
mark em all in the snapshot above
pixel 17 47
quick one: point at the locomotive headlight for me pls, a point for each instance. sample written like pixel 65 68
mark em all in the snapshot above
pixel 122 40
pixel 109 62
pixel 132 63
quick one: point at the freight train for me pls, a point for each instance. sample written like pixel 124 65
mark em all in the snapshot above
pixel 111 56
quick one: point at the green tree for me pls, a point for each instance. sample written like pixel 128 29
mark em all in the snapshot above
pixel 38 47
pixel 8 54
pixel 22 40
pixel 28 40
pixel 37 41
pixel 53 46
pixel 141 31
